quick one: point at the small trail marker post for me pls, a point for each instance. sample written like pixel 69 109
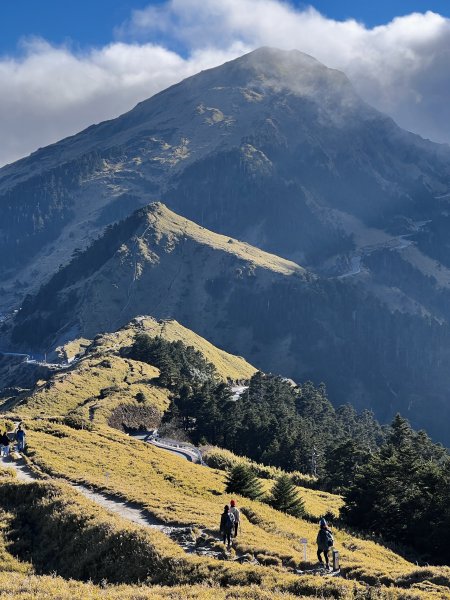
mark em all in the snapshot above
pixel 304 543
pixel 335 560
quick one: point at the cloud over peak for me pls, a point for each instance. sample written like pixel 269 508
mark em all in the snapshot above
pixel 49 92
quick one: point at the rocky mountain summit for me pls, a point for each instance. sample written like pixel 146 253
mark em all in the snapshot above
pixel 342 271
pixel 272 148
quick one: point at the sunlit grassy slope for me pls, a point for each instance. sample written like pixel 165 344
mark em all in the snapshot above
pixel 165 222
pixel 76 533
pixel 102 379
pixel 178 492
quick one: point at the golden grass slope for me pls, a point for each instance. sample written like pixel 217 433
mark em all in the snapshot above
pixel 317 502
pixel 94 387
pixel 167 223
pixel 68 519
pixel 102 380
pixel 178 492
pixel 228 365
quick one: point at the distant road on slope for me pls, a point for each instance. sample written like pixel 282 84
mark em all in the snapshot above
pixel 186 451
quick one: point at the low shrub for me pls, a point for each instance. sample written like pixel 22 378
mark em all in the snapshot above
pixel 224 460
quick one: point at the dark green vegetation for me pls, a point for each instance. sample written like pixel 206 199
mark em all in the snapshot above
pixel 285 497
pixel 295 428
pixel 402 492
pixel 241 480
pixel 396 482
pixel 179 365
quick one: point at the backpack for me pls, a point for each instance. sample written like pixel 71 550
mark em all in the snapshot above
pixel 229 522
pixel 330 539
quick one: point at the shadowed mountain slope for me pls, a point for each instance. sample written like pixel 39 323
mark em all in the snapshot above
pixel 270 310
pixel 272 148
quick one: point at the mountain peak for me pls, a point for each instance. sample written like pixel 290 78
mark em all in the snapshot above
pixel 268 68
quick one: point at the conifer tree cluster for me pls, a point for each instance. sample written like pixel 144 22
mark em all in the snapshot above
pixel 272 422
pixel 402 492
pixel 286 498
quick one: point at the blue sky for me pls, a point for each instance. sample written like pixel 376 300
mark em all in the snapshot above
pixel 85 23
pixel 66 64
pixel 378 12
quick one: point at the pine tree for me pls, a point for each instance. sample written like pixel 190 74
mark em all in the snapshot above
pixel 241 480
pixel 285 497
pixel 401 433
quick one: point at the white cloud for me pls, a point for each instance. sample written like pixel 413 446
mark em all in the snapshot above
pixel 401 67
pixel 49 92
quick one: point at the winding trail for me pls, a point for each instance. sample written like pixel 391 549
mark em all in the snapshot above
pixel 180 534
pixel 183 450
pixel 124 509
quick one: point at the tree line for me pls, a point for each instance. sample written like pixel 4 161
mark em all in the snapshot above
pixel 395 481
pixel 273 421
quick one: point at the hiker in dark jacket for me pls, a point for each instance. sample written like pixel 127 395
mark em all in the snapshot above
pixel 4 444
pixel 324 542
pixel 20 437
pixel 226 525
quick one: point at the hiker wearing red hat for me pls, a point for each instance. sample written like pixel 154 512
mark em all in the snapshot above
pixel 237 516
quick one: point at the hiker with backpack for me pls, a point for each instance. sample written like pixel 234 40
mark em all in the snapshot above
pixel 325 541
pixel 237 517
pixel 227 525
pixel 4 445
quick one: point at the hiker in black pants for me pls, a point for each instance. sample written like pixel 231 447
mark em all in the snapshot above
pixel 324 542
pixel 226 525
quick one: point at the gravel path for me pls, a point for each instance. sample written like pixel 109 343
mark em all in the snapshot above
pixel 182 535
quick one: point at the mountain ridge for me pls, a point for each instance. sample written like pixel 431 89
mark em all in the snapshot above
pixel 230 123
pixel 282 319
pixel 309 173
